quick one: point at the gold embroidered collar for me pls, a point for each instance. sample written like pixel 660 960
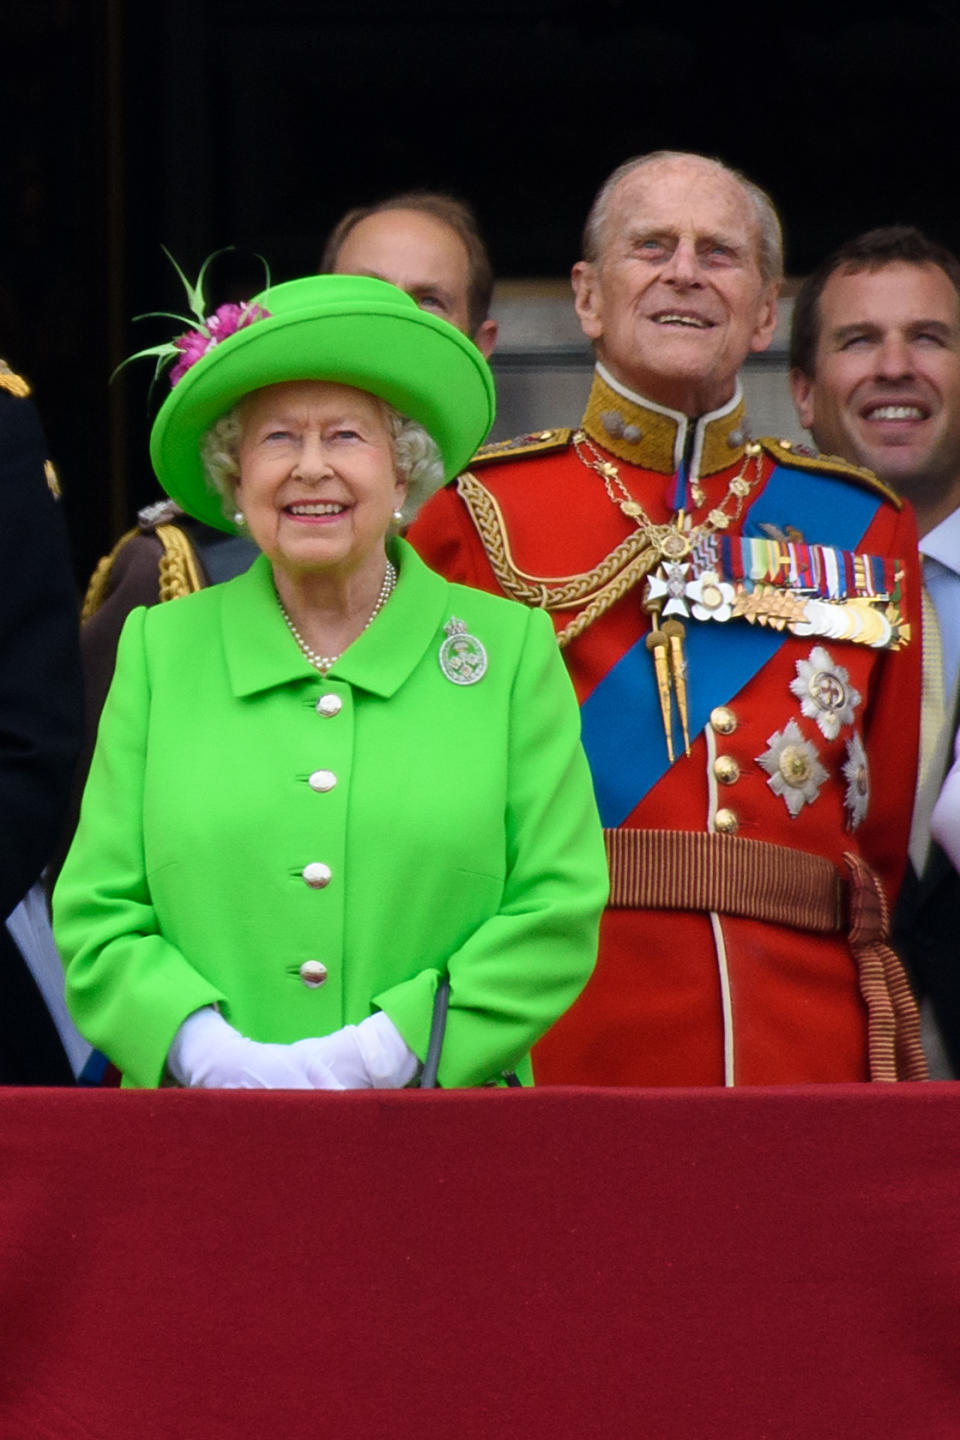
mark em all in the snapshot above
pixel 655 438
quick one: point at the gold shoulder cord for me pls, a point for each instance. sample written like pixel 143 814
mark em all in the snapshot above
pixel 178 574
pixel 178 564
pixel 596 590
pixel 97 588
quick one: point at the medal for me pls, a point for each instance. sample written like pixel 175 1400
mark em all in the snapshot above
pixel 794 768
pixel 825 693
pixel 857 774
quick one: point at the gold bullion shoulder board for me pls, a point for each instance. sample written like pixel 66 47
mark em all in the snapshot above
pixel 785 452
pixel 13 383
pixel 537 442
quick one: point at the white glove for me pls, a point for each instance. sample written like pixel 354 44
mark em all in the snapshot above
pixel 371 1055
pixel 209 1053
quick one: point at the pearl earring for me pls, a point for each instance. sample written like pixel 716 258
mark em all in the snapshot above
pixel 238 518
pixel 398 515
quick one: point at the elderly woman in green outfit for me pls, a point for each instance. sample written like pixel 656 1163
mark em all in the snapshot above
pixel 326 786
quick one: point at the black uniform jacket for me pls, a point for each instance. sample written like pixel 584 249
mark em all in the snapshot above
pixel 40 719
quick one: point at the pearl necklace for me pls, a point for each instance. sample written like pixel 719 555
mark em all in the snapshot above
pixel 323 663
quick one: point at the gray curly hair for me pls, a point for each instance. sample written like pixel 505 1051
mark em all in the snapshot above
pixel 416 456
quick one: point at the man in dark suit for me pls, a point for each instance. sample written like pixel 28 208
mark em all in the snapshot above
pixel 875 373
pixel 40 715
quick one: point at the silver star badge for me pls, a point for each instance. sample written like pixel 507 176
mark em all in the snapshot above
pixel 857 772
pixel 825 692
pixel 793 765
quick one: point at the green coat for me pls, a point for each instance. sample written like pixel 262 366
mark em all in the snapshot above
pixel 460 831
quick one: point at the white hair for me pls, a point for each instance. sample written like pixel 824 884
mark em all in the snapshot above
pixel 770 235
pixel 416 456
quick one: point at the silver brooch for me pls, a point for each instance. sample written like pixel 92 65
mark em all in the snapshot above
pixel 825 692
pixel 462 657
pixel 857 772
pixel 794 768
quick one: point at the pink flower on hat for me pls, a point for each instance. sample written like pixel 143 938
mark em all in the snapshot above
pixel 226 320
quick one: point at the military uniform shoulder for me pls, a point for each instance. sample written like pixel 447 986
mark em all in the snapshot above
pixel 23 435
pixel 537 442
pixel 12 383
pixel 154 561
pixel 801 457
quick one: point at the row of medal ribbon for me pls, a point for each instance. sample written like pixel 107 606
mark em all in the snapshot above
pixel 819 570
pixel 806 589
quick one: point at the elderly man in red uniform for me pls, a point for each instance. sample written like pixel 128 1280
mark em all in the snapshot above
pixel 736 618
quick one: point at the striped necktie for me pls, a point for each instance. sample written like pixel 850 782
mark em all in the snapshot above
pixel 933 736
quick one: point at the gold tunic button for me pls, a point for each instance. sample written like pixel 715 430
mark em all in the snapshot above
pixel 313 973
pixel 317 875
pixel 723 720
pixel 725 822
pixel 329 705
pixel 726 770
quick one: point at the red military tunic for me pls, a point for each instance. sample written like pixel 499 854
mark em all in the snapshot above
pixel 705 995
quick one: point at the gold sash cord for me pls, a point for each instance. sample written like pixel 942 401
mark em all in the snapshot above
pixel 178 564
pixel 731 875
pixel 100 579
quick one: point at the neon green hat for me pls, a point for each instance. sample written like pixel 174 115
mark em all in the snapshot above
pixel 347 329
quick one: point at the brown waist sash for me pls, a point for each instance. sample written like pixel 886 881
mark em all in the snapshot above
pixel 731 875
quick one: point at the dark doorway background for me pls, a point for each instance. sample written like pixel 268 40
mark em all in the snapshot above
pixel 203 123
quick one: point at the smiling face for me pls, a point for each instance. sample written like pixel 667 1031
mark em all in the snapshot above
pixel 886 387
pixel 675 302
pixel 318 483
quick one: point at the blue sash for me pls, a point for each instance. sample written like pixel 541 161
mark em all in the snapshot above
pixel 622 724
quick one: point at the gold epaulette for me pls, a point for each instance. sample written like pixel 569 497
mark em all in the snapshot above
pixel 787 453
pixel 14 384
pixel 538 442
